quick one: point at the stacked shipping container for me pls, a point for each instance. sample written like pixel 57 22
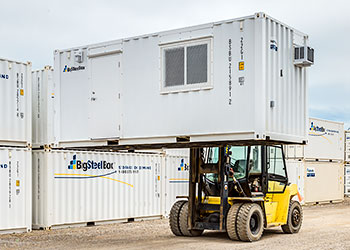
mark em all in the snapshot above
pixel 75 187
pixel 318 168
pixel 347 163
pixel 15 144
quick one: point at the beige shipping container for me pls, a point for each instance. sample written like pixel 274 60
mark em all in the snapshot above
pixel 316 181
pixel 323 182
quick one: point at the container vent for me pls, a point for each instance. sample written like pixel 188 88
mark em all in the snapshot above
pixel 174 66
pixel 303 56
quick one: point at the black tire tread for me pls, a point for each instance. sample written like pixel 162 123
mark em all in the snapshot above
pixel 184 223
pixel 243 222
pixel 288 228
pixel 174 218
pixel 231 221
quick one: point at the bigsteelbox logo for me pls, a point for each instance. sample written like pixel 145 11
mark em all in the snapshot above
pixel 183 166
pixel 315 128
pixel 3 165
pixel 71 69
pixel 89 164
pixel 4 76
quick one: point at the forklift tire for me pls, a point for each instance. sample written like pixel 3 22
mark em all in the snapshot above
pixel 231 221
pixel 184 223
pixel 250 222
pixel 294 219
pixel 174 218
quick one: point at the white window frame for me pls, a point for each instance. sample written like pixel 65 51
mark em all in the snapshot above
pixel 186 87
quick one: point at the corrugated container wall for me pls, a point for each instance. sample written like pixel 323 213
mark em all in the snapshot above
pixel 175 179
pixel 347 180
pixel 244 66
pixel 76 187
pixel 43 106
pixel 325 142
pixel 347 147
pixel 15 190
pixel 15 103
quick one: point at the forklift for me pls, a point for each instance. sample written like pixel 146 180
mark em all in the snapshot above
pixel 238 189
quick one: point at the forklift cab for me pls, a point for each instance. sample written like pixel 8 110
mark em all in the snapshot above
pixel 240 189
pixel 257 169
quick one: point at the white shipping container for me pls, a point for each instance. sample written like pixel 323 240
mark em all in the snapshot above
pixel 347 170
pixel 295 171
pixel 195 84
pixel 43 106
pixel 325 142
pixel 15 103
pixel 347 180
pixel 77 187
pixel 15 190
pixel 176 180
pixel 347 190
pixel 347 157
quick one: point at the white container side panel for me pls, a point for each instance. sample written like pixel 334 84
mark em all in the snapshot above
pixel 324 181
pixel 267 86
pixel 347 141
pixel 68 191
pixel 15 190
pixel 183 152
pixel 176 180
pixel 347 190
pixel 347 157
pixel 347 170
pixel 43 107
pixel 295 170
pixel 347 180
pixel 15 103
pixel 325 142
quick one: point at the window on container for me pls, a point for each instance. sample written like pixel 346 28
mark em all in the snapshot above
pixel 197 63
pixel 186 65
pixel 174 67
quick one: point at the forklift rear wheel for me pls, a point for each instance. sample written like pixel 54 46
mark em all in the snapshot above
pixel 184 223
pixel 250 222
pixel 295 218
pixel 231 221
pixel 174 217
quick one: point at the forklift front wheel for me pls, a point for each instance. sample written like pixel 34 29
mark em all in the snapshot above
pixel 250 222
pixel 174 218
pixel 184 223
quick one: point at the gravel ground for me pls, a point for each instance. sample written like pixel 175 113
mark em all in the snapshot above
pixel 324 227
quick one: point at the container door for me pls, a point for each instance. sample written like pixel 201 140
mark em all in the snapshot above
pixel 104 117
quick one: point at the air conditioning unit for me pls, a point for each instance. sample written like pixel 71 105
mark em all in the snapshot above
pixel 303 56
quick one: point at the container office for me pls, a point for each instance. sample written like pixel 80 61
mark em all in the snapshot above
pixel 325 142
pixel 243 79
pixel 15 103
pixel 15 190
pixel 80 187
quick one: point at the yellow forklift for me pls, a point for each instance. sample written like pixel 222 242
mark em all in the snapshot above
pixel 240 189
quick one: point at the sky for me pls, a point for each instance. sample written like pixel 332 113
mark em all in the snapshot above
pixel 32 30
